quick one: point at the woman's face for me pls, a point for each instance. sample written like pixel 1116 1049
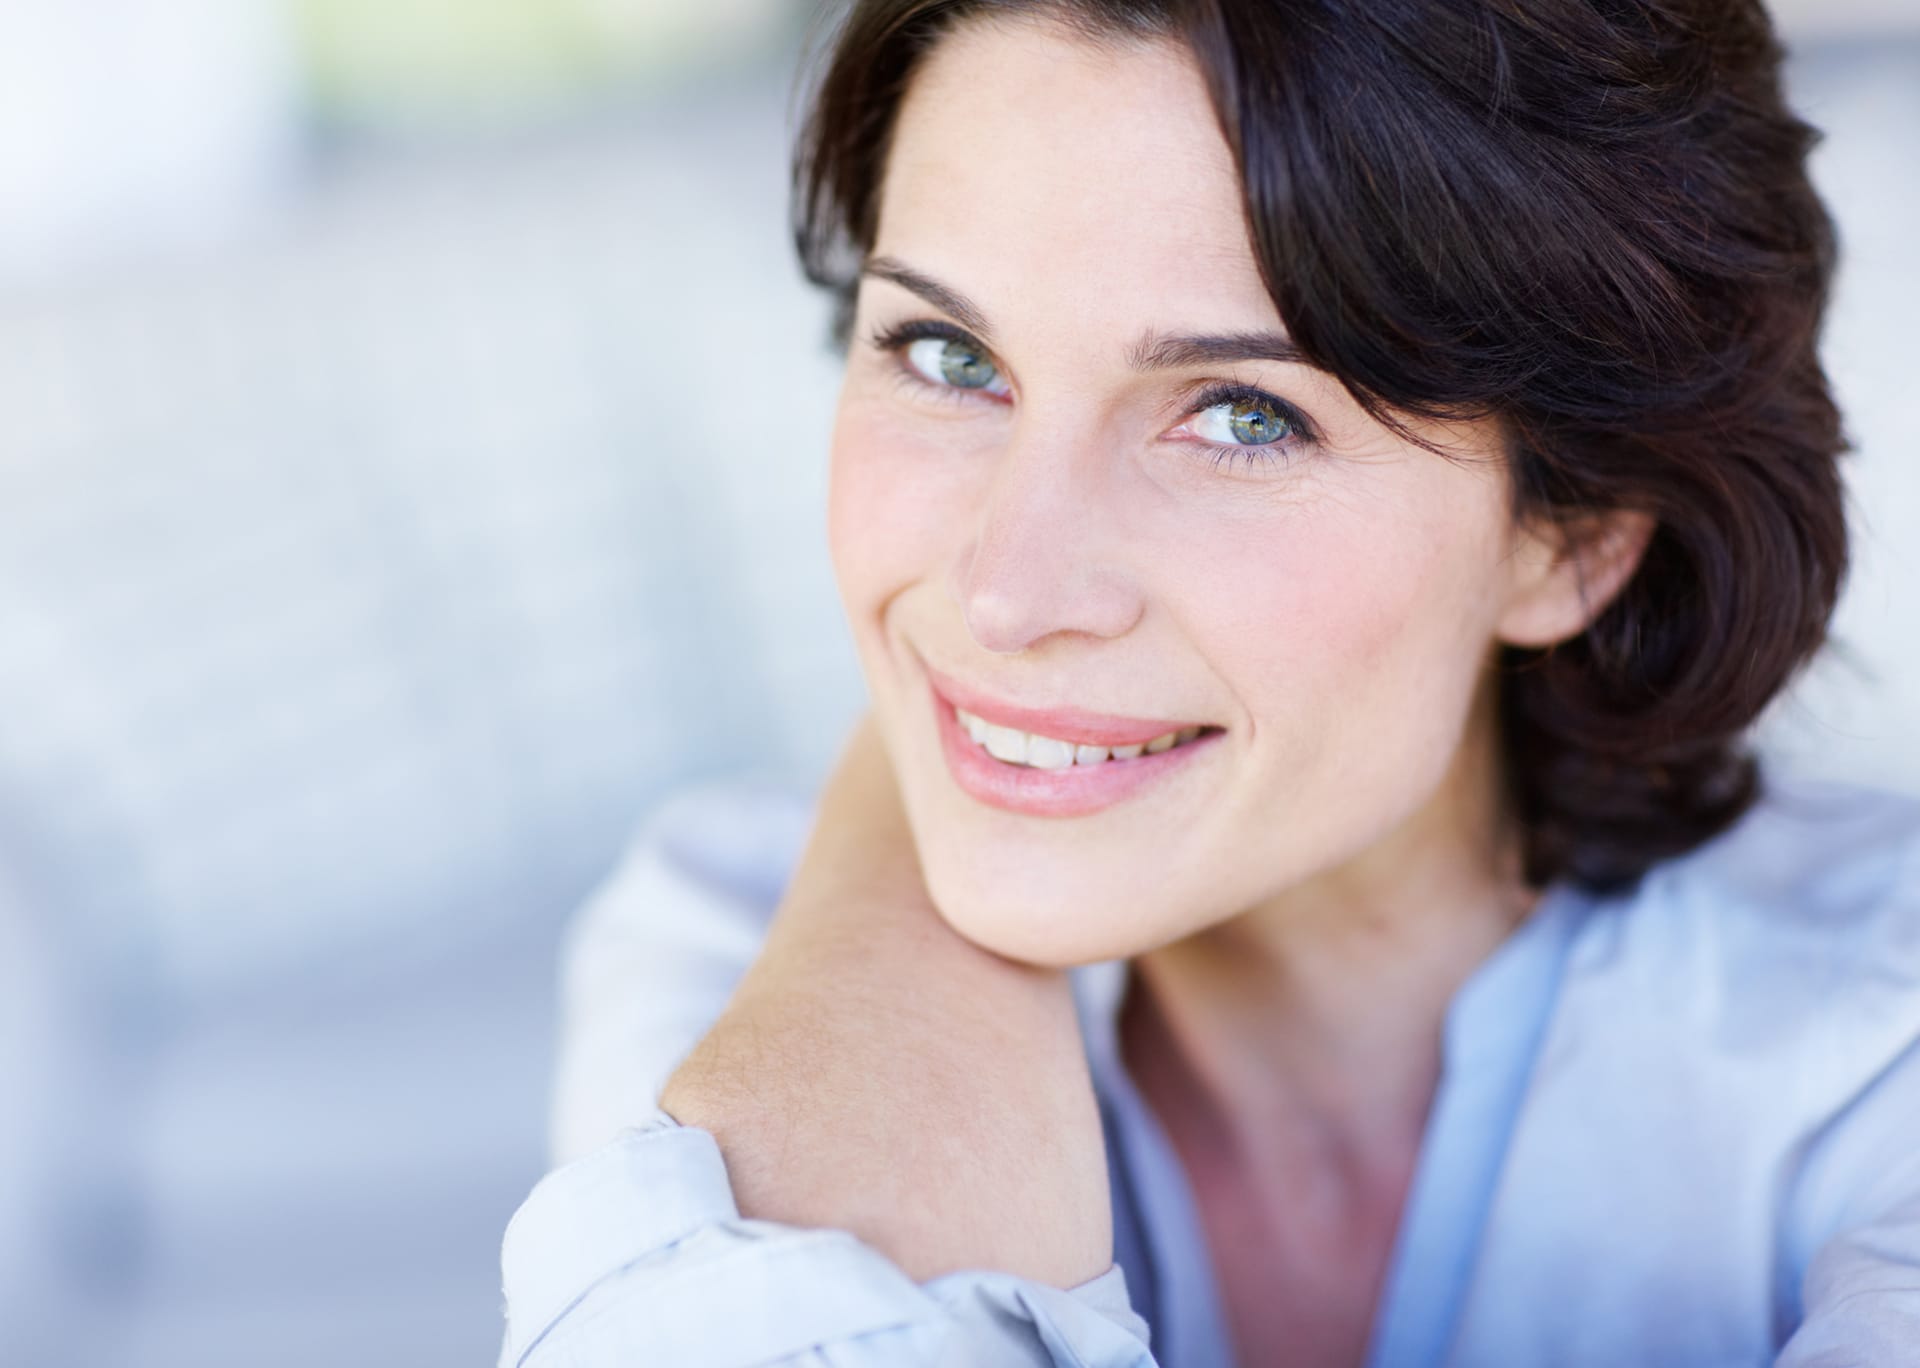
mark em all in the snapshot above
pixel 1080 491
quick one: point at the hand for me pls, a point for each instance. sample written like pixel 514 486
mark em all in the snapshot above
pixel 877 1072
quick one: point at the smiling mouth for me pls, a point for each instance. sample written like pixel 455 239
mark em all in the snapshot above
pixel 1058 761
pixel 1011 746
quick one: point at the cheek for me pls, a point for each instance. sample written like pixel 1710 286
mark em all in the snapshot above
pixel 1352 624
pixel 895 503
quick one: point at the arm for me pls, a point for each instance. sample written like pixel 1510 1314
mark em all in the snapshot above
pixel 637 1255
pixel 878 1073
pixel 1861 1192
pixel 636 1252
pixel 1863 1297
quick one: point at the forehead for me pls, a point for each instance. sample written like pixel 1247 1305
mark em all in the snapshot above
pixel 1032 167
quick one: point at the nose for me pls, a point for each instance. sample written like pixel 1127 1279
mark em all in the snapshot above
pixel 1043 559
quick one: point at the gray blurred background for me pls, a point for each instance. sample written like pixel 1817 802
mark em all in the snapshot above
pixel 412 436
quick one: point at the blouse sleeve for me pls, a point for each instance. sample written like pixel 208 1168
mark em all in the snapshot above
pixel 1856 1206
pixel 1863 1297
pixel 647 965
pixel 1861 1290
pixel 637 1254
pixel 634 1251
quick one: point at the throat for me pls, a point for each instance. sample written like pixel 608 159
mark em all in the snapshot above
pixel 1267 1099
pixel 1299 1226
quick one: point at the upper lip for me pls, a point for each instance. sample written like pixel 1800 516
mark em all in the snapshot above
pixel 1077 725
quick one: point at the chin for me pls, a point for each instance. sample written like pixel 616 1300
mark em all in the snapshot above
pixel 1051 923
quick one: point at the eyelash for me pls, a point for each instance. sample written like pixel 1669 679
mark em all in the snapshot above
pixel 894 341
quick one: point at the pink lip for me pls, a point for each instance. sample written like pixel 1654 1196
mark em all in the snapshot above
pixel 1072 792
pixel 1064 724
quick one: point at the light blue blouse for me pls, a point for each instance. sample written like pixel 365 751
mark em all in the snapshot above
pixel 1676 1128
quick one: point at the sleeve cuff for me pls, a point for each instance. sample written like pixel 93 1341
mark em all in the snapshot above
pixel 638 1253
pixel 652 1187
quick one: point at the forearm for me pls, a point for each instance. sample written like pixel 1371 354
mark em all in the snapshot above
pixel 878 1073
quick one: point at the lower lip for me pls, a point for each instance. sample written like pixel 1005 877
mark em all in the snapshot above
pixel 1072 792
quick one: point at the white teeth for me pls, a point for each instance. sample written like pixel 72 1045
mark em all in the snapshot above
pixel 1043 752
pixel 1015 747
pixel 1004 743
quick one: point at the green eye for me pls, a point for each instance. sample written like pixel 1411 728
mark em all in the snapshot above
pixel 1245 422
pixel 1243 425
pixel 954 363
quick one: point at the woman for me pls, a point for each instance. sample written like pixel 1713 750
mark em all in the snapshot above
pixel 1320 492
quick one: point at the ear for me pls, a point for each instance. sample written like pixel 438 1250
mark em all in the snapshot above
pixel 1565 573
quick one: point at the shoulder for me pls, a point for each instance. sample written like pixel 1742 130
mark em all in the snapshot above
pixel 720 851
pixel 737 838
pixel 1823 853
pixel 1731 1067
pixel 652 957
pixel 1816 886
pixel 1783 957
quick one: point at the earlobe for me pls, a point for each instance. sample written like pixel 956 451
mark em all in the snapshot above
pixel 1566 573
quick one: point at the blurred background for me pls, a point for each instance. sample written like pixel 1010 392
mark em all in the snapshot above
pixel 412 436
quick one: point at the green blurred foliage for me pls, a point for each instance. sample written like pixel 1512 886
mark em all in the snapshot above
pixel 441 65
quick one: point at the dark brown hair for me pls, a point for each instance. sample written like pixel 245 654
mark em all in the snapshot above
pixel 1590 219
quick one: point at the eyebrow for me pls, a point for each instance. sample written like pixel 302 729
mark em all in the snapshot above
pixel 1154 351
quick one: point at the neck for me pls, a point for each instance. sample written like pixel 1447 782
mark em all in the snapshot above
pixel 1318 1014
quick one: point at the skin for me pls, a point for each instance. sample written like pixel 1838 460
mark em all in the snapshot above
pixel 877 1072
pixel 1301 903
